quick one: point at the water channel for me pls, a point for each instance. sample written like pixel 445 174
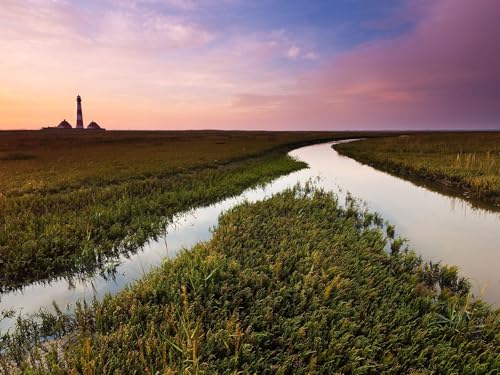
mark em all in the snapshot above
pixel 438 227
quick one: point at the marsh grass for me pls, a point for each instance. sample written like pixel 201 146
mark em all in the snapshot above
pixel 467 162
pixel 294 284
pixel 80 200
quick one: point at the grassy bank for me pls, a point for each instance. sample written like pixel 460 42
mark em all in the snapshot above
pixel 70 200
pixel 468 163
pixel 294 284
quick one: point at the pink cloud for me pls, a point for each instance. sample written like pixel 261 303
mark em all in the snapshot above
pixel 443 73
pixel 123 26
pixel 149 32
pixel 293 52
pixel 263 102
pixel 447 70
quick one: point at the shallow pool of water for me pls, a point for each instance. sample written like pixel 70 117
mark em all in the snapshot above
pixel 438 227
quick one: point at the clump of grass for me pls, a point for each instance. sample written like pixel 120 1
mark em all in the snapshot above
pixel 465 162
pixel 294 284
pixel 391 231
pixel 396 244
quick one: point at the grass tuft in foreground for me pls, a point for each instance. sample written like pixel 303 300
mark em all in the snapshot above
pixel 294 284
pixel 468 163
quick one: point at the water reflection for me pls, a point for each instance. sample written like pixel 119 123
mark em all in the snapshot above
pixel 440 228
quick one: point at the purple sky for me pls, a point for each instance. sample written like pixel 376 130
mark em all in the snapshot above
pixel 236 64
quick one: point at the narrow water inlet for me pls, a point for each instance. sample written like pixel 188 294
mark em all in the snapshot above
pixel 438 227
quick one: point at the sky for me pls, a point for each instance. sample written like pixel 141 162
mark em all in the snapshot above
pixel 251 64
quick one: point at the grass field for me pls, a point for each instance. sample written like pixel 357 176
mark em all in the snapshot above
pixel 465 162
pixel 53 161
pixel 295 284
pixel 70 200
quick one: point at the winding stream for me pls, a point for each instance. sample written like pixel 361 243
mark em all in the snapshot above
pixel 438 227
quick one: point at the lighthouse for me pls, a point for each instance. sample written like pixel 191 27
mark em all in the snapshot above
pixel 79 116
pixel 79 120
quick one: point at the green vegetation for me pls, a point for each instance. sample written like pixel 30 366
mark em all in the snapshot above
pixel 71 200
pixel 465 162
pixel 295 284
pixel 53 161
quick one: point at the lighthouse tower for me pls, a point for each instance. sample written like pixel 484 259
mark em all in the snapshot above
pixel 79 116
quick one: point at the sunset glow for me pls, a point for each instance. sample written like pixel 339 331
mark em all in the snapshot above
pixel 236 64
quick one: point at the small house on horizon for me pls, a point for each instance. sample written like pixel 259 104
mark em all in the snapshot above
pixel 64 125
pixel 94 126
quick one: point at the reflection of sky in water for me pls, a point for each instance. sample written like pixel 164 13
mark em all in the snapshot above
pixel 438 227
